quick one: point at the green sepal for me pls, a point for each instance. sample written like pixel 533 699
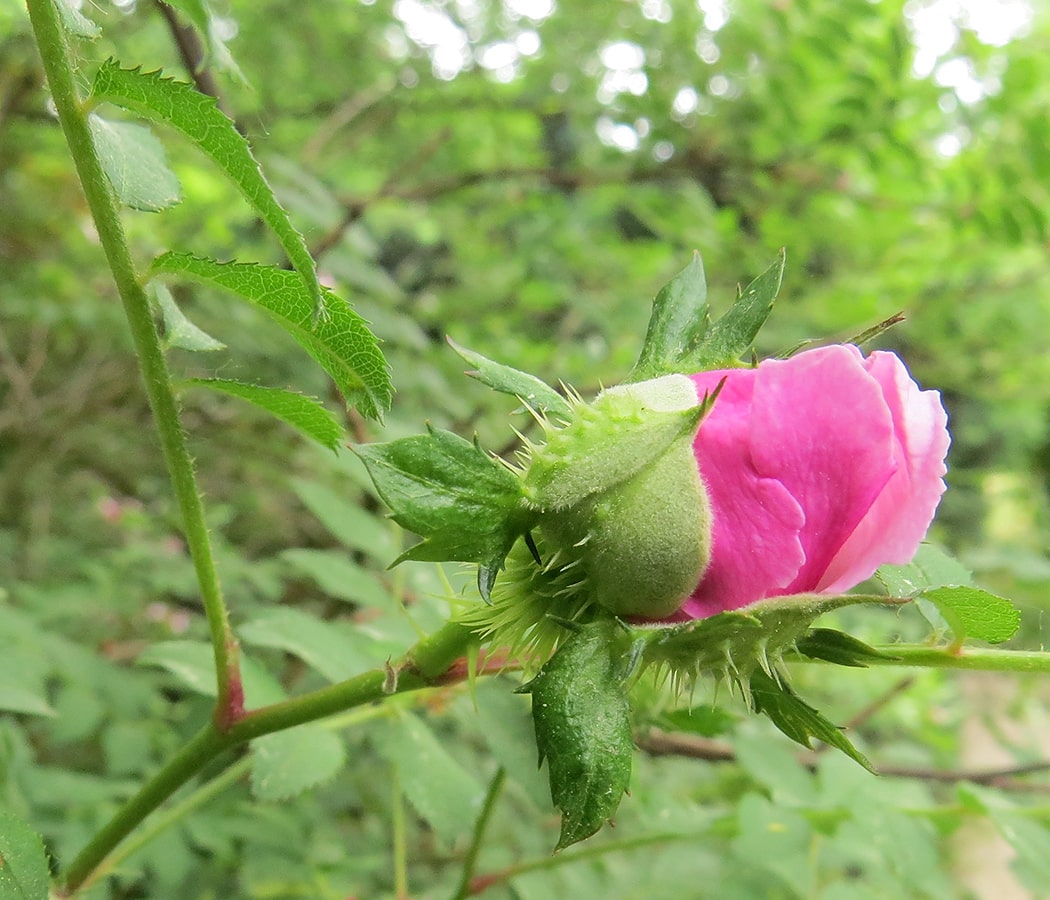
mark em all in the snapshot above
pixel 538 395
pixel 730 337
pixel 678 323
pixel 606 444
pixel 735 644
pixel 796 718
pixel 463 503
pixel 839 648
pixel 583 729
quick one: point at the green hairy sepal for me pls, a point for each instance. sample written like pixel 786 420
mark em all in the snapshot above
pixel 618 495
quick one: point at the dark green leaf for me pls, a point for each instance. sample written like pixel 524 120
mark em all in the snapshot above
pixel 971 612
pixel 179 331
pixel 303 413
pixel 462 502
pixel 679 321
pixel 198 117
pixel 583 729
pixel 796 718
pixel 135 164
pixel 730 337
pixel 528 388
pixel 340 340
pixel 23 862
pixel 838 647
pixel 289 762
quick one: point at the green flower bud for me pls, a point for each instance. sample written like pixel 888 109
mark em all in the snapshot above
pixel 619 497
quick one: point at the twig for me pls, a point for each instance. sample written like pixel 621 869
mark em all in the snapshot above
pixel 662 743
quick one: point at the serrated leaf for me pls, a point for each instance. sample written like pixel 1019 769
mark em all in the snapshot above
pixel 198 117
pixel 340 341
pixel 971 612
pixel 839 648
pixel 730 337
pixel 324 646
pixel 352 525
pixel 135 164
pixel 528 388
pixel 289 762
pixel 179 331
pixel 678 323
pixel 341 578
pixel 931 567
pixel 437 786
pixel 464 504
pixel 583 727
pixel 796 718
pixel 306 414
pixel 24 871
pixel 193 663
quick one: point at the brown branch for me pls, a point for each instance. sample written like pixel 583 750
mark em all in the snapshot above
pixel 193 55
pixel 662 743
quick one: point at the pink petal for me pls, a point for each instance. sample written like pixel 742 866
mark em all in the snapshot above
pixel 756 548
pixel 898 520
pixel 820 425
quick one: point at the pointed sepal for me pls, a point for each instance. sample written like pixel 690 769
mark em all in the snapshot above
pixel 583 728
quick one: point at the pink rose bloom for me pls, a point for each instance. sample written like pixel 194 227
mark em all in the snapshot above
pixel 820 468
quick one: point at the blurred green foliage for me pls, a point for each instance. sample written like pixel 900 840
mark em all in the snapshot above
pixel 521 175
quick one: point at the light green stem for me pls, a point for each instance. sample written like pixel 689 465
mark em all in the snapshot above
pixel 980 659
pixel 428 664
pixel 471 860
pixel 54 53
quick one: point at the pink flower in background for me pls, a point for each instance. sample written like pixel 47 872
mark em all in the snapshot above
pixel 820 468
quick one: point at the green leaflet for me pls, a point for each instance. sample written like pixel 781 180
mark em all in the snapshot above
pixel 135 164
pixel 199 118
pixel 340 341
pixel 305 414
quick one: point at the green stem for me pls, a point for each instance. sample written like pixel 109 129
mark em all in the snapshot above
pixel 202 748
pixel 54 53
pixel 172 815
pixel 471 860
pixel 981 659
pixel 434 661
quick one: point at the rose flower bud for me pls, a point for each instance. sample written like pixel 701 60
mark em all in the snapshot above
pixel 819 468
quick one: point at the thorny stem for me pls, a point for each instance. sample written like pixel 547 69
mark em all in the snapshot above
pixel 54 53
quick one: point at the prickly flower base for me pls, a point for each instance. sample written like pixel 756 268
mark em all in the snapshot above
pixel 622 514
